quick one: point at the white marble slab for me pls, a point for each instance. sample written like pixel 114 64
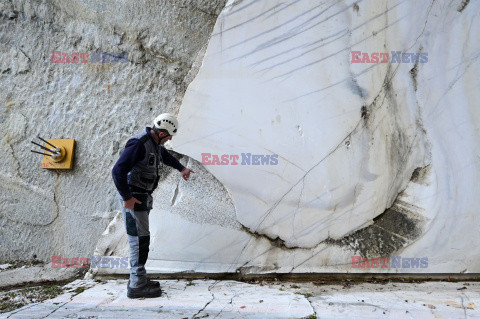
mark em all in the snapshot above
pixel 277 79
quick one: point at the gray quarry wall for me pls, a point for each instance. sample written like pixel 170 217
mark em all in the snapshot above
pixel 100 105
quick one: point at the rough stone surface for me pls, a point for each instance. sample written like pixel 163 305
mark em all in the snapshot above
pixel 100 105
pixel 202 200
pixel 230 299
pixel 35 275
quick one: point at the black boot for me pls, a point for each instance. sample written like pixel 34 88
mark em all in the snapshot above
pixel 150 283
pixel 144 292
pixel 153 283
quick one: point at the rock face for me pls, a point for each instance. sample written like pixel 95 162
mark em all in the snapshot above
pixel 307 150
pixel 371 159
pixel 99 104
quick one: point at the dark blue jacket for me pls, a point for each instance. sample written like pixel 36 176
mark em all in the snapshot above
pixel 133 153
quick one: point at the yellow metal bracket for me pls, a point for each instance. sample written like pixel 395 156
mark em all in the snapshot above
pixel 64 156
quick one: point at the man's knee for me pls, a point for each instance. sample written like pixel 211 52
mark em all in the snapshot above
pixel 130 224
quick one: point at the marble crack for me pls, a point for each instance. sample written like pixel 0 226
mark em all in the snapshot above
pixel 249 20
pixel 348 48
pixel 298 207
pixel 414 71
pixel 424 26
pixel 284 36
pixel 341 35
pixel 463 5
pixel 309 258
pixel 338 146
pixel 450 86
pixel 276 242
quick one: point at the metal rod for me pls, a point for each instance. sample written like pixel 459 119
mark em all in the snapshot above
pixel 41 153
pixel 47 142
pixel 46 149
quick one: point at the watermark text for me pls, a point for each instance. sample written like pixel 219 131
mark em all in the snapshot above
pixel 242 159
pixel 89 57
pixel 394 262
pixel 384 57
pixel 94 262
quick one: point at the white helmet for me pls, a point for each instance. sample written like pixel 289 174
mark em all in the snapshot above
pixel 167 122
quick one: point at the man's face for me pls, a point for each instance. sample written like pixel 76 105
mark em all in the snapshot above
pixel 164 139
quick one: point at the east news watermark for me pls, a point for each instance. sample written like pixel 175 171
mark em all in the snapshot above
pixel 242 159
pixel 385 57
pixel 92 262
pixel 89 57
pixel 386 262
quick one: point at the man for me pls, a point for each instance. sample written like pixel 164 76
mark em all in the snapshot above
pixel 136 176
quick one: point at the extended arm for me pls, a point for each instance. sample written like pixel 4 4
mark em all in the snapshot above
pixel 171 161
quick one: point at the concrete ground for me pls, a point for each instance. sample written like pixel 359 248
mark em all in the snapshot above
pixel 232 299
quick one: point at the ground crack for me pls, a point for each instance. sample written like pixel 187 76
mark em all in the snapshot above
pixel 71 298
pixel 229 303
pixel 206 305
pixel 21 309
pixel 464 309
pixel 313 308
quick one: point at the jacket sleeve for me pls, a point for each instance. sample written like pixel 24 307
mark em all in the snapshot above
pixel 169 160
pixel 133 153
